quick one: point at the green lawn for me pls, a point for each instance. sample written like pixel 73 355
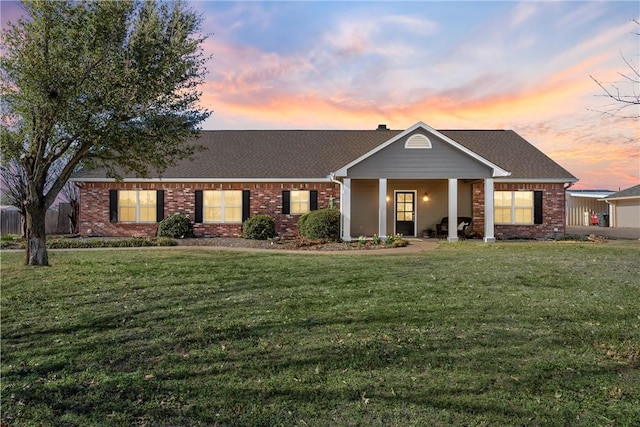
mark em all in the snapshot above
pixel 469 334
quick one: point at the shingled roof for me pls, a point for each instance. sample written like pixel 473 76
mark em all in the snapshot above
pixel 631 192
pixel 314 154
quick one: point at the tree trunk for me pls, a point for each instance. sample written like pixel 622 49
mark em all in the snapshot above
pixel 74 216
pixel 36 253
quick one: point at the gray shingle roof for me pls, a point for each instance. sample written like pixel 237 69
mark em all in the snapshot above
pixel 510 151
pixel 628 192
pixel 299 154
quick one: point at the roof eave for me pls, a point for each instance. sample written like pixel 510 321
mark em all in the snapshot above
pixel 189 180
pixel 608 199
pixel 538 180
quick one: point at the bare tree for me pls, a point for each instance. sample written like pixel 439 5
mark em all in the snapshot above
pixel 71 193
pixel 625 94
pixel 14 189
pixel 14 182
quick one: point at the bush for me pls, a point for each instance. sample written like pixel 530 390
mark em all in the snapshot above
pixel 323 224
pixel 259 227
pixel 176 226
pixel 133 242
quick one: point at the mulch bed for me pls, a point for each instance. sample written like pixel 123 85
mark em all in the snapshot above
pixel 286 244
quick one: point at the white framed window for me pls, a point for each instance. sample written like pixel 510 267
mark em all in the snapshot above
pixel 513 207
pixel 300 202
pixel 137 205
pixel 222 206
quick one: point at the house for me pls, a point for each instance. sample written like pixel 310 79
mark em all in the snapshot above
pixel 583 206
pixel 624 207
pixel 383 181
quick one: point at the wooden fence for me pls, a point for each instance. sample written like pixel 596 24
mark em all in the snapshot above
pixel 57 221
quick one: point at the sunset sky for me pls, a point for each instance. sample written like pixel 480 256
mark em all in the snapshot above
pixel 524 66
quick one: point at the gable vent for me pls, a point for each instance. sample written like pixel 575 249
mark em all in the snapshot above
pixel 417 141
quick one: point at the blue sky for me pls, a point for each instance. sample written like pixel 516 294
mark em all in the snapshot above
pixel 453 65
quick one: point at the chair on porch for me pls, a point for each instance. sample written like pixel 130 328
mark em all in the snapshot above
pixel 463 224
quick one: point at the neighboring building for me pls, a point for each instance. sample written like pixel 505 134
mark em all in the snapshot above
pixel 383 181
pixel 624 208
pixel 583 206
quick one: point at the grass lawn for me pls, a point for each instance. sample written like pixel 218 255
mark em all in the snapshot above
pixel 469 334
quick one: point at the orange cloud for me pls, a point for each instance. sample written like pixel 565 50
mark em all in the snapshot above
pixel 253 89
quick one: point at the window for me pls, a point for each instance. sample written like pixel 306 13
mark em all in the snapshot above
pixel 222 206
pixel 299 202
pixel 137 205
pixel 514 207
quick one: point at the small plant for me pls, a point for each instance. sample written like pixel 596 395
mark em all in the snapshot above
pixel 259 227
pixel 395 241
pixel 375 239
pixel 320 224
pixel 362 240
pixel 177 226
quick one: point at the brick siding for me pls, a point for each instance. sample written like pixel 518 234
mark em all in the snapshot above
pixel 553 206
pixel 265 198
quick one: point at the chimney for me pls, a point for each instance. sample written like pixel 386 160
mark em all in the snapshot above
pixel 382 126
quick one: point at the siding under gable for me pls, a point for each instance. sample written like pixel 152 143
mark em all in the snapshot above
pixel 440 161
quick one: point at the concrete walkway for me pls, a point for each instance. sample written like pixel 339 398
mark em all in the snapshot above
pixel 608 232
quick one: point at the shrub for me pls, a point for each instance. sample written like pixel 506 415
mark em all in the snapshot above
pixel 259 227
pixel 320 224
pixel 133 242
pixel 176 226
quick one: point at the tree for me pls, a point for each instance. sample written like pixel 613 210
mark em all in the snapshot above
pixel 13 180
pixel 96 84
pixel 623 98
pixel 71 193
pixel 14 189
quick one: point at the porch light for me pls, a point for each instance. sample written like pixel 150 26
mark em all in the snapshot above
pixel 425 197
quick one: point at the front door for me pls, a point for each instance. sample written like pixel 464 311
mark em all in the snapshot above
pixel 406 213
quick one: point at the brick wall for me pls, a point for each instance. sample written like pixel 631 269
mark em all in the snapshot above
pixel 265 198
pixel 553 216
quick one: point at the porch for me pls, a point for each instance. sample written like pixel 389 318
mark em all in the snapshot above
pixel 412 206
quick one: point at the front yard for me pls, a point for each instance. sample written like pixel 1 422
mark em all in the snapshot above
pixel 543 333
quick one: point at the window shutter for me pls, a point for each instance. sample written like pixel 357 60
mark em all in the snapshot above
pixel 286 202
pixel 159 205
pixel 313 200
pixel 113 205
pixel 198 216
pixel 537 207
pixel 246 205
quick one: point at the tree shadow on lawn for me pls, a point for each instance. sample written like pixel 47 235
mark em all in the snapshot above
pixel 326 371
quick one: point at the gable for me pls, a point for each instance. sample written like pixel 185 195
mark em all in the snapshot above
pixel 421 152
pixel 407 158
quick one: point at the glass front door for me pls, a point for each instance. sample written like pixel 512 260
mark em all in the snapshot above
pixel 406 213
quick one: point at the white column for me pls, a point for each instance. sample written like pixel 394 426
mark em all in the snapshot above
pixel 453 210
pixel 345 209
pixel 382 207
pixel 489 221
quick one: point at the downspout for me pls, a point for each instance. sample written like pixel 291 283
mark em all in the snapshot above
pixel 332 177
pixel 565 204
pixel 611 207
